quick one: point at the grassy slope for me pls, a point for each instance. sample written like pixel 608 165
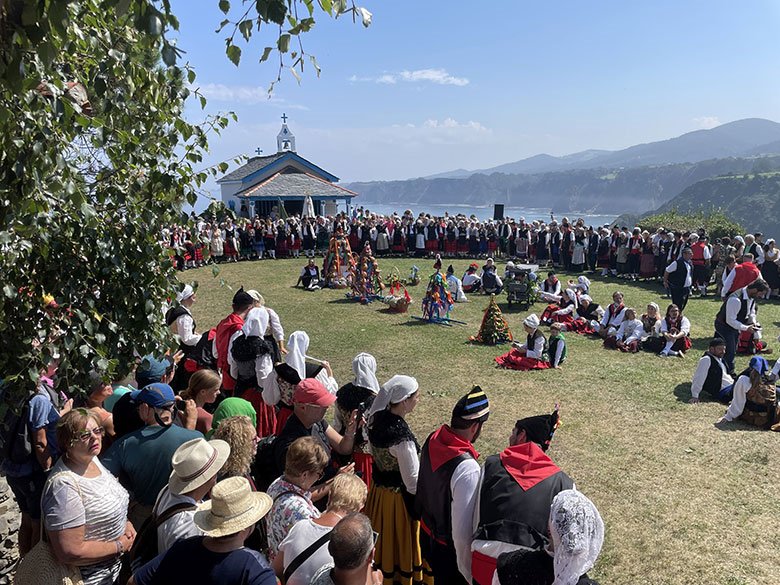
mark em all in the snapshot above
pixel 683 500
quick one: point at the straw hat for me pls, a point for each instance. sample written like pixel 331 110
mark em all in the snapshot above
pixel 195 462
pixel 232 508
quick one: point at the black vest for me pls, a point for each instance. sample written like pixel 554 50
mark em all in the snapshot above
pixel 553 348
pixel 678 277
pixel 714 377
pixel 434 495
pixel 510 514
pixel 741 314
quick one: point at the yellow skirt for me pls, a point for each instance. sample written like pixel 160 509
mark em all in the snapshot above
pixel 398 547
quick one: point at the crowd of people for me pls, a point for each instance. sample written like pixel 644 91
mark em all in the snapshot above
pixel 217 464
pixel 632 254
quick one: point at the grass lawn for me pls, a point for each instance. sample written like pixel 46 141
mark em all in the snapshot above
pixel 684 501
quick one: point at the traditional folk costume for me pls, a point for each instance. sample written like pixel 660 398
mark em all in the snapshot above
pixel 647 265
pixel 516 490
pixel 358 395
pixel 551 290
pixel 557 350
pixel 279 386
pixel 448 479
pixel 742 385
pixel 563 311
pixel 390 504
pixel 611 320
pixel 679 325
pixel 630 333
pixel 711 376
pixel 180 320
pixel 583 316
pixel 224 331
pixel 529 355
pixel 742 275
pixel 736 314
pixel 249 357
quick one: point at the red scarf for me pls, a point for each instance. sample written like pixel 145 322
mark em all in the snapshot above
pixel 445 445
pixel 527 464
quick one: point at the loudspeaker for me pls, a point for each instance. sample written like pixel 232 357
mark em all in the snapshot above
pixel 498 211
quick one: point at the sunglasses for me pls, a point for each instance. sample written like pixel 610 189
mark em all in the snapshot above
pixel 86 434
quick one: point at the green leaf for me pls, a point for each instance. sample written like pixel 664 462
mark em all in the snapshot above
pixel 169 55
pixel 266 53
pixel 224 6
pixel 245 27
pixel 10 292
pixel 283 43
pixel 234 54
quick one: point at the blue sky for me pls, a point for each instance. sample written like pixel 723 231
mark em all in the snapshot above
pixel 433 86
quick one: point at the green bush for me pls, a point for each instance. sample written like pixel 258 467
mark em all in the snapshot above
pixel 716 223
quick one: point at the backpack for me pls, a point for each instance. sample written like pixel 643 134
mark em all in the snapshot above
pixel 144 548
pixel 264 470
pixel 761 407
pixel 15 443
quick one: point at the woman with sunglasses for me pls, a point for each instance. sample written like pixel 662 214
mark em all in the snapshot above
pixel 84 506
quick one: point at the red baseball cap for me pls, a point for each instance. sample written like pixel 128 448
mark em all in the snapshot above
pixel 311 391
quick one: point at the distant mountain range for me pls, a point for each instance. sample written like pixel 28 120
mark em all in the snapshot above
pixel 749 137
pixel 633 180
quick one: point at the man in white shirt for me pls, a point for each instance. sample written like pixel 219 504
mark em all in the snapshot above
pixel 447 488
pixel 711 375
pixel 195 467
pixel 678 279
pixel 736 315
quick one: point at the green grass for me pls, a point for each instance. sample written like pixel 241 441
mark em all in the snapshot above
pixel 684 501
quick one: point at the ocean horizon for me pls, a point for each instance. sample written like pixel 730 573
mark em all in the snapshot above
pixel 484 212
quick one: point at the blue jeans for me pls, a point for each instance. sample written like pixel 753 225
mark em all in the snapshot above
pixel 731 337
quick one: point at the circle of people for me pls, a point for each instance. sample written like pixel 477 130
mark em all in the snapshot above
pixel 230 473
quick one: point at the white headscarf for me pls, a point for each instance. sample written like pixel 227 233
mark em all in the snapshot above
pixel 532 321
pixel 297 346
pixel 185 293
pixel 256 322
pixel 364 368
pixel 584 283
pixel 572 294
pixel 577 532
pixel 395 390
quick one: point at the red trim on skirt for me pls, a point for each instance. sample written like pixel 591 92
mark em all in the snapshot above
pixel 514 360
pixel 266 414
pixel 482 568
pixel 450 246
pixel 580 326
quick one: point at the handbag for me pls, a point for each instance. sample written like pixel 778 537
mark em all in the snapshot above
pixel 41 567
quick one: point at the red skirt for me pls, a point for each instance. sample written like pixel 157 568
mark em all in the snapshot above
pixel 611 342
pixel 398 248
pixel 199 254
pixel 353 241
pixel 482 568
pixel 266 415
pixel 580 326
pixel 683 344
pixel 281 248
pixel 548 312
pixel 463 247
pixel 363 466
pixel 492 246
pixel 432 245
pixel 294 244
pixel 749 346
pixel 514 360
pixel 450 246
pixel 228 249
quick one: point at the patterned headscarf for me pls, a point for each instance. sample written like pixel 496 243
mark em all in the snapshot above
pixel 577 532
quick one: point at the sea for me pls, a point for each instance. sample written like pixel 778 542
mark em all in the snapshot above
pixel 485 212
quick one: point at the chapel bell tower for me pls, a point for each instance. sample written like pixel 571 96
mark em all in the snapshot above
pixel 285 140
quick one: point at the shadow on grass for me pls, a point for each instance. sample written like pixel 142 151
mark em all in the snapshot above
pixel 683 392
pixel 344 301
pixel 736 425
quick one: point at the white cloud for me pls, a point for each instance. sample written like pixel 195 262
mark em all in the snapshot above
pixel 449 123
pixel 244 94
pixel 437 76
pixel 707 122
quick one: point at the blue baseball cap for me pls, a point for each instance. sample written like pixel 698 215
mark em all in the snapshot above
pixel 152 369
pixel 157 395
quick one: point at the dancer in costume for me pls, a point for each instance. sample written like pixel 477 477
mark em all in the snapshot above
pixel 528 355
pixel 517 487
pixel 279 386
pixel 390 504
pixel 563 311
pixel 338 266
pixel 249 357
pixel 358 395
pixel 449 475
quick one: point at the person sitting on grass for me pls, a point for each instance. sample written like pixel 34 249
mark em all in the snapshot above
pixel 651 326
pixel 557 349
pixel 587 311
pixel 528 355
pixel 551 288
pixel 629 334
pixel 612 318
pixel 750 378
pixel 711 375
pixel 310 276
pixel 675 331
pixel 471 281
pixel 456 286
pixel 563 311
pixel 491 282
